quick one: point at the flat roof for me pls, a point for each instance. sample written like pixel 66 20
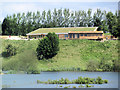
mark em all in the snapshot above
pixel 62 30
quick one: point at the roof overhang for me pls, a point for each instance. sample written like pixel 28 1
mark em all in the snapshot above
pixel 85 31
pixel 43 33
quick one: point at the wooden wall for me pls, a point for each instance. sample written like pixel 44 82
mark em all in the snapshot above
pixel 89 36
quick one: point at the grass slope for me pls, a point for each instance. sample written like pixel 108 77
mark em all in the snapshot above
pixel 62 30
pixel 73 55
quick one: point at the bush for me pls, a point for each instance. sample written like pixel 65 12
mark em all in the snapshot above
pixel 92 65
pixel 48 47
pixel 74 86
pixel 66 87
pixel 10 50
pixel 105 81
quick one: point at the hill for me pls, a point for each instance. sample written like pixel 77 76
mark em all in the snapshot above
pixel 74 55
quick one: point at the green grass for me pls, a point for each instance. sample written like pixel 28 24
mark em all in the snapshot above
pixel 107 34
pixel 62 30
pixel 74 55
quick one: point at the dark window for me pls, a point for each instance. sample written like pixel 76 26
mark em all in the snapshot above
pixel 77 35
pixel 85 34
pixel 100 34
pixel 70 35
pixel 66 35
pixel 81 35
pixel 73 35
pixel 96 34
pixel 89 34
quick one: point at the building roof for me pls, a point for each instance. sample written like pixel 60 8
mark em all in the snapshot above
pixel 61 30
pixel 85 31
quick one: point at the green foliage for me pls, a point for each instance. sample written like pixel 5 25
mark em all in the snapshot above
pixel 26 61
pixel 48 47
pixel 21 23
pixel 10 50
pixel 60 86
pixel 65 87
pixel 74 87
pixel 92 65
pixel 74 55
pixel 88 85
pixel 80 80
pixel 105 81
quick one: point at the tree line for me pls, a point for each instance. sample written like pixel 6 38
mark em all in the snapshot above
pixel 23 23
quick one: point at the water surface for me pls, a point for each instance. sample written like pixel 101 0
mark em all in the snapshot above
pixel 30 80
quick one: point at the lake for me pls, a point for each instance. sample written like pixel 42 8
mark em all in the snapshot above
pixel 30 80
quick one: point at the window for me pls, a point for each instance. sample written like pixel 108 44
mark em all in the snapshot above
pixel 70 35
pixel 96 34
pixel 66 35
pixel 85 34
pixel 89 34
pixel 100 34
pixel 58 35
pixel 73 35
pixel 77 35
pixel 81 35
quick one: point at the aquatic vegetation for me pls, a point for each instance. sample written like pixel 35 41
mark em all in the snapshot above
pixel 60 86
pixel 65 87
pixel 80 86
pixel 5 86
pixel 80 80
pixel 88 85
pixel 105 81
pixel 74 86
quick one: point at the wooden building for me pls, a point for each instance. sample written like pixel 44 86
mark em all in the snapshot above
pixel 69 34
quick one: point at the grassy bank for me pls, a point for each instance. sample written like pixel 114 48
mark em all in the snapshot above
pixel 74 55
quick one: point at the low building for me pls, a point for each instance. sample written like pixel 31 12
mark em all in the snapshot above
pixel 68 33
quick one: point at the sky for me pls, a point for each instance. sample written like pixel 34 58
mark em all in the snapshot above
pixel 9 7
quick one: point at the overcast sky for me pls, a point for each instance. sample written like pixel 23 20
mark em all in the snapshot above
pixel 8 7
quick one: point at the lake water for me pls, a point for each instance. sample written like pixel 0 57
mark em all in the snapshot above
pixel 30 80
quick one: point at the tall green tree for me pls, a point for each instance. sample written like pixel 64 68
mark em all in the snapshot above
pixel 44 19
pixel 49 19
pixel 77 18
pixel 59 18
pixel 66 17
pixel 72 19
pixel 54 18
pixel 48 47
pixel 89 18
pixel 29 21
pixel 38 20
pixel 97 18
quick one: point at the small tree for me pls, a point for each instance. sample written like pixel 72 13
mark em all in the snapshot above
pixel 48 47
pixel 9 51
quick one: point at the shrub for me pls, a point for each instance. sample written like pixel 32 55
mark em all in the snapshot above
pixel 80 80
pixel 10 50
pixel 74 86
pixel 92 65
pixel 88 85
pixel 66 87
pixel 105 81
pixel 48 46
pixel 60 86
